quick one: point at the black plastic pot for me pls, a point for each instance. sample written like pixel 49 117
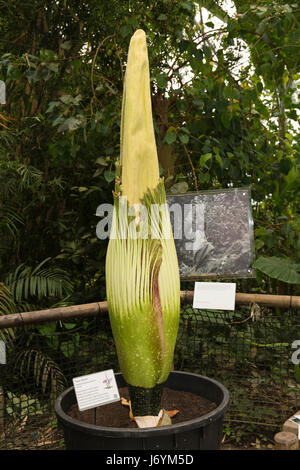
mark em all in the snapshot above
pixel 202 433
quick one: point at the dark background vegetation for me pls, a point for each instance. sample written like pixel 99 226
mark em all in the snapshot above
pixel 225 95
pixel 225 105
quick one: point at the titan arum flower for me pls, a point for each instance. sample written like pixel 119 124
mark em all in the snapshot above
pixel 142 274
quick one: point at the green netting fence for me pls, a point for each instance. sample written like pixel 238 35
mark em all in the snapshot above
pixel 248 350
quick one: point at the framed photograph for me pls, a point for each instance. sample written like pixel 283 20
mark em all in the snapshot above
pixel 213 233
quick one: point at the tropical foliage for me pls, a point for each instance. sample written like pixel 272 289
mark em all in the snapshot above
pixel 225 85
pixel 225 97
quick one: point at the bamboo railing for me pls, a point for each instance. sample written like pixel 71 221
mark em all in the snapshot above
pixel 98 308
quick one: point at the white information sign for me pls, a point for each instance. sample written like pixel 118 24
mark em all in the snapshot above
pixel 96 389
pixel 296 419
pixel 2 353
pixel 214 295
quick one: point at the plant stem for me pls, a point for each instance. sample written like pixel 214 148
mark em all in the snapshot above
pixel 145 401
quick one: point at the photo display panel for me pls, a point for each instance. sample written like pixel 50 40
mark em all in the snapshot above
pixel 213 233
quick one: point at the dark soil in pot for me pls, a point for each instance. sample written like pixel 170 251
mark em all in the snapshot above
pixel 201 401
pixel 189 406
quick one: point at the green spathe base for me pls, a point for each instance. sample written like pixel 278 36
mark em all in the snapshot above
pixel 145 401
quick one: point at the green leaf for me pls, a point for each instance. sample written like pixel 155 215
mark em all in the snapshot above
pixel 170 137
pixel 101 161
pixel 219 159
pixel 47 330
pixel 188 6
pixel 109 175
pixel 70 124
pixel 66 45
pixel 184 138
pixel 33 76
pixel 179 188
pixel 69 326
pixel 204 158
pixel 67 348
pixel 279 268
pixel 124 30
pixel 54 67
pixel 259 244
pixel 162 17
pixel 162 80
pixel 67 99
pixel 52 105
pixel 226 119
pixel 207 52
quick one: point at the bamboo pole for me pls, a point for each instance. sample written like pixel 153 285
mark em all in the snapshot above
pixel 281 301
pixel 52 314
pixel 96 308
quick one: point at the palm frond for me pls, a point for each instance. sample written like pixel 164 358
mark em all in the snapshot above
pixel 9 220
pixel 40 282
pixel 31 177
pixel 7 306
pixel 48 377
